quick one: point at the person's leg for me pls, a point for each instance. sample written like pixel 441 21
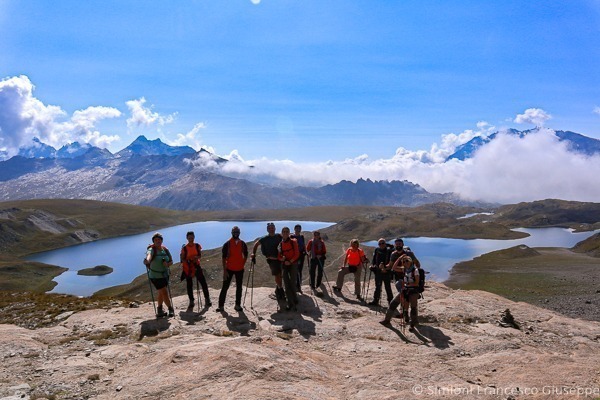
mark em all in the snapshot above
pixel 405 303
pixel 239 280
pixel 202 280
pixel 189 283
pixel 387 283
pixel 320 273
pixel 311 272
pixel 289 281
pixel 224 289
pixel 299 267
pixel 392 309
pixel 339 283
pixel 414 313
pixel 377 293
pixel 357 281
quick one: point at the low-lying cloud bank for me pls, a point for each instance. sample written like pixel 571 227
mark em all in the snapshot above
pixel 508 169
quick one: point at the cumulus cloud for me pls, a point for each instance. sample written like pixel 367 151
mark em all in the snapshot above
pixel 191 138
pixel 23 117
pixel 141 115
pixel 535 116
pixel 596 110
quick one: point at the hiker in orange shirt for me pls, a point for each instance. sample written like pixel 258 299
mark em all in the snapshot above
pixel 190 255
pixel 355 257
pixel 289 255
pixel 235 254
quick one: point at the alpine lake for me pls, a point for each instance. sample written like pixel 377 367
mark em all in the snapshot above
pixel 125 254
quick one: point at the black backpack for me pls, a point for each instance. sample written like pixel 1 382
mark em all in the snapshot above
pixel 421 280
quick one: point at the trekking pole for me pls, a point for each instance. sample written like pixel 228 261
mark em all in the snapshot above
pixel 151 291
pixel 324 274
pixel 198 293
pixel 368 283
pixel 252 287
pixel 247 284
pixel 364 281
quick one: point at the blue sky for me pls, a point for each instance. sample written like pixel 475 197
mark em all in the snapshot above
pixel 310 80
pixel 316 91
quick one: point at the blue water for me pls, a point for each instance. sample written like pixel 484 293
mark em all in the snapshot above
pixel 438 255
pixel 125 254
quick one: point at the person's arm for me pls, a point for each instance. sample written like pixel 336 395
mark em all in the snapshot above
pixel 309 246
pixel 345 259
pixel 296 250
pixel 253 255
pixel 396 267
pixel 324 250
pixel 170 261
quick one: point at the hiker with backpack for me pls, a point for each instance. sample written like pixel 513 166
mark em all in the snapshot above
pixel 382 271
pixel 190 255
pixel 302 247
pixel 157 261
pixel 234 254
pixel 412 285
pixel 289 255
pixel 399 251
pixel 268 246
pixel 353 261
pixel 317 252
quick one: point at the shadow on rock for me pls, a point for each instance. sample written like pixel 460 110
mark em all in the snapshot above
pixel 153 327
pixel 190 317
pixel 240 324
pixel 436 336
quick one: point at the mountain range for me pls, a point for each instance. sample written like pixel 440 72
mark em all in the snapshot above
pixel 150 172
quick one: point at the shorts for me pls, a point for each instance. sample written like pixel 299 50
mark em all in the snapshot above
pixel 275 266
pixel 159 283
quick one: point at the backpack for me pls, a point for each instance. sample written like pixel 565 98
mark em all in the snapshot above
pixel 421 280
pixel 184 249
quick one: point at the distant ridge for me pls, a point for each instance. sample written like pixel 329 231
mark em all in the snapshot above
pixel 141 146
pixel 577 143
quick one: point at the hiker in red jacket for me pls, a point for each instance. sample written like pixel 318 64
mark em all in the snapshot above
pixel 317 251
pixel 289 255
pixel 235 254
pixel 190 255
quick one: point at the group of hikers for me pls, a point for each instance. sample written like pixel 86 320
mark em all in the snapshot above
pixel 285 254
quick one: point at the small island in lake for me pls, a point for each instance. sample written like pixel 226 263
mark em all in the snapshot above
pixel 96 271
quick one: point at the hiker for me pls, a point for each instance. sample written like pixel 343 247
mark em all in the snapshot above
pixel 190 255
pixel 399 251
pixel 235 254
pixel 317 252
pixel 302 247
pixel 268 246
pixel 289 255
pixel 409 293
pixel 353 261
pixel 158 260
pixel 383 273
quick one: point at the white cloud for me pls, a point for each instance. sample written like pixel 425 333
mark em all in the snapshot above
pixel 535 116
pixel 192 138
pixel 23 117
pixel 509 169
pixel 141 115
pixel 596 110
pixel 255 1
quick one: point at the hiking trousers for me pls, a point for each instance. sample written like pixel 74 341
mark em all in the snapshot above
pixel 345 271
pixel 290 274
pixel 316 264
pixel 239 279
pixel 189 281
pixel 385 279
pixel 300 264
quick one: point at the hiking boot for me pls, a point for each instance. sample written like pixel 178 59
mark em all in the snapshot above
pixel 161 313
pixel 221 308
pixel 336 289
pixel 373 303
pixel 385 322
pixel 238 307
pixel 191 305
pixel 405 316
pixel 171 312
pixel 207 303
pixel 359 297
pixel 280 294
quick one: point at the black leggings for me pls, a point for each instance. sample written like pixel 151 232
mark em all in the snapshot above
pixel 189 280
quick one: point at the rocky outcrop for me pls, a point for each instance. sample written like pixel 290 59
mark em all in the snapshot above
pixel 332 348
